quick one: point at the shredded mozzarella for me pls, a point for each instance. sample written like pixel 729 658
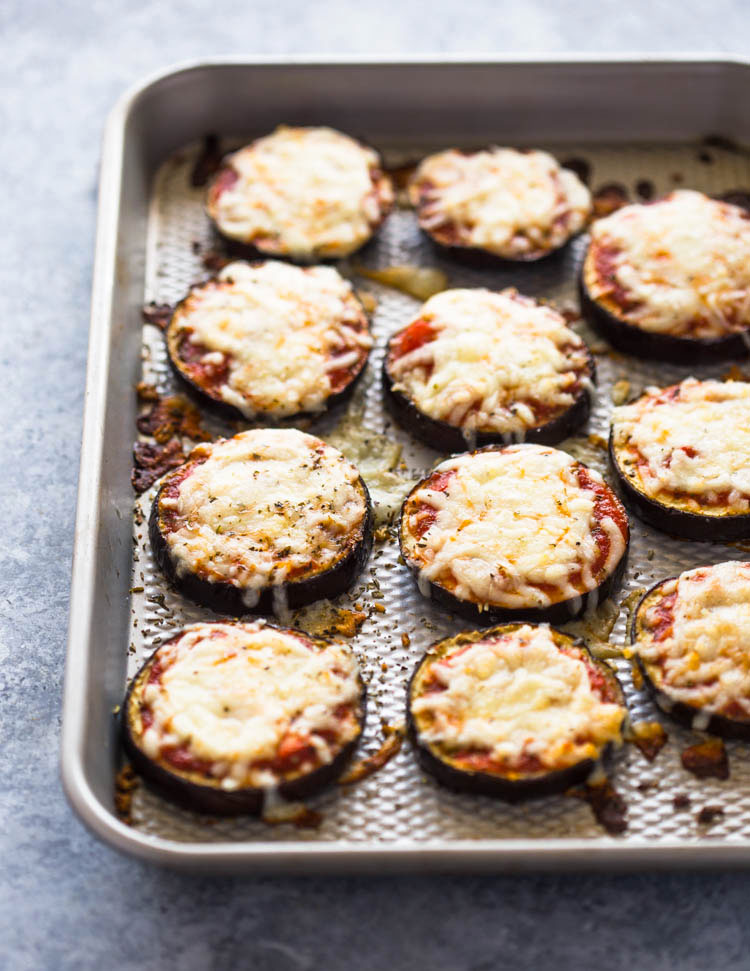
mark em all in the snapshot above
pixel 694 445
pixel 281 329
pixel 509 522
pixel 494 360
pixel 265 504
pixel 503 200
pixel 230 693
pixel 515 695
pixel 705 660
pixel 683 264
pixel 307 190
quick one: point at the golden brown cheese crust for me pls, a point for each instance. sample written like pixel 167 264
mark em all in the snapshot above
pixel 517 205
pixel 685 446
pixel 691 637
pixel 305 193
pixel 514 702
pixel 677 267
pixel 245 705
pixel 270 339
pixel 516 528
pixel 489 362
pixel 266 510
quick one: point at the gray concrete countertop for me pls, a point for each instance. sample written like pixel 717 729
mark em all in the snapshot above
pixel 66 901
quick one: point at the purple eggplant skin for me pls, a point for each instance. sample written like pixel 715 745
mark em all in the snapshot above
pixel 448 438
pixel 677 522
pixel 558 613
pixel 208 797
pixel 228 412
pixel 224 598
pixel 679 711
pixel 237 250
pixel 658 347
pixel 533 786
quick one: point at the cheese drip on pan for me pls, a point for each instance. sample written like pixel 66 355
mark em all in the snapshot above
pixel 307 190
pixel 496 361
pixel 705 659
pixel 230 693
pixel 517 695
pixel 682 264
pixel 511 523
pixel 502 200
pixel 281 329
pixel 265 504
pixel 694 444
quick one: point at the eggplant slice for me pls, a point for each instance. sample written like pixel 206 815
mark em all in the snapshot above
pixel 302 193
pixel 680 457
pixel 690 637
pixel 517 712
pixel 270 341
pixel 517 533
pixel 514 205
pixel 670 280
pixel 225 716
pixel 267 520
pixel 477 367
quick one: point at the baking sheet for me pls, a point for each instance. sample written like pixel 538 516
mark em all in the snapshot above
pixel 398 803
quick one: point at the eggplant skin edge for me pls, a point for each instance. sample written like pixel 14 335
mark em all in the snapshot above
pixel 212 798
pixel 510 790
pixel 680 711
pixel 557 613
pixel 479 258
pixel 223 409
pixel 224 598
pixel 658 347
pixel 677 522
pixel 444 437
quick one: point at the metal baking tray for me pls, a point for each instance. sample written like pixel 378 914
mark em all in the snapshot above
pixel 631 119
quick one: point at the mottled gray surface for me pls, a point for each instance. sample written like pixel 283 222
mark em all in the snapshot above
pixel 65 900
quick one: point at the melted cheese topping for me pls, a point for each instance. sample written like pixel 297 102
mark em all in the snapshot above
pixel 495 359
pixel 304 192
pixel 266 505
pixel 511 203
pixel 683 262
pixel 230 693
pixel 281 329
pixel 694 446
pixel 517 695
pixel 508 522
pixel 705 660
